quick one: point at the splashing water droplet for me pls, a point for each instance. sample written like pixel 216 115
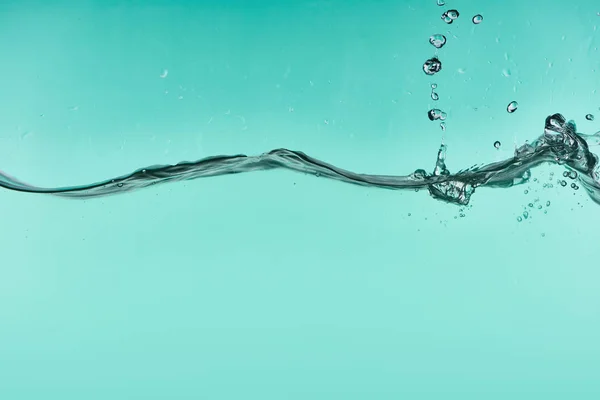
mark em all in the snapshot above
pixel 438 41
pixel 512 107
pixel 497 144
pixel 589 117
pixel 432 66
pixel 477 19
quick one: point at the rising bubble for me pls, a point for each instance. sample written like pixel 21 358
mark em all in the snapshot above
pixel 438 41
pixel 497 144
pixel 477 19
pixel 512 107
pixel 432 66
pixel 435 114
pixel 449 16
pixel 589 117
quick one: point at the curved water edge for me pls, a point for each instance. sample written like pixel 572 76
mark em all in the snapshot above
pixel 559 144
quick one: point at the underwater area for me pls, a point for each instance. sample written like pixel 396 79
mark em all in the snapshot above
pixel 313 199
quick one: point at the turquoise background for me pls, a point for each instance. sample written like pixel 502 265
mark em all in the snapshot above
pixel 276 285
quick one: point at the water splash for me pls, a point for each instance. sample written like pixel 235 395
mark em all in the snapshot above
pixel 559 144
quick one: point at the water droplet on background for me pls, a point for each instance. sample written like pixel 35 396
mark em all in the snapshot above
pixel 432 66
pixel 477 19
pixel 589 117
pixel 438 41
pixel 512 107
pixel 497 144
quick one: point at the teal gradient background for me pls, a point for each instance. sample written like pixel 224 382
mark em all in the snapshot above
pixel 275 285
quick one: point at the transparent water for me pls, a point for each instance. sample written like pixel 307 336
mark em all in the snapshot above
pixel 473 279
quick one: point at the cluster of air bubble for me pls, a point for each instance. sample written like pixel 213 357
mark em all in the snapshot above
pixel 433 65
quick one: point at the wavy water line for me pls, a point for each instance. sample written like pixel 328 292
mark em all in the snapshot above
pixel 559 144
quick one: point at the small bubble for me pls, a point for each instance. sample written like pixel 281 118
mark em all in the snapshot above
pixel 497 144
pixel 530 205
pixel 574 186
pixel 434 96
pixel 441 3
pixel 164 73
pixel 589 117
pixel 443 126
pixel 506 72
pixel 525 214
pixel 526 191
pixel 519 218
pixel 477 19
pixel 572 174
pixel 432 66
pixel 563 183
pixel 438 41
pixel 434 85
pixel 119 184
pixel 548 203
pixel 543 235
pixel 512 107
pixel 539 207
pixel 566 173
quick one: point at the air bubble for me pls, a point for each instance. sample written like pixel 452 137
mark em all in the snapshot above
pixel 438 41
pixel 443 126
pixel 497 144
pixel 434 85
pixel 432 66
pixel 434 96
pixel 436 114
pixel 512 107
pixel 477 19
pixel 572 174
pixel 441 3
pixel 589 117
pixel 449 16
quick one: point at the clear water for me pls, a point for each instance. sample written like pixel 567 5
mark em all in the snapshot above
pixel 476 277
